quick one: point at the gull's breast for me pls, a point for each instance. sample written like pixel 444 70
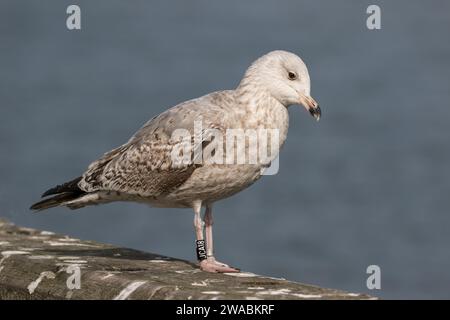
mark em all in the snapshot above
pixel 214 182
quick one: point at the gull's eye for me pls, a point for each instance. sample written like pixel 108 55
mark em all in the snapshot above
pixel 292 75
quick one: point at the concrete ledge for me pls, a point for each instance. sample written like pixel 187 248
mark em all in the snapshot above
pixel 42 265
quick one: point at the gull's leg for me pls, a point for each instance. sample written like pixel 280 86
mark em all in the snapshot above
pixel 198 226
pixel 206 264
pixel 209 237
pixel 209 243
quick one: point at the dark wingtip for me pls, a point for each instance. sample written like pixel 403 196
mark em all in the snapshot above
pixel 60 193
pixel 71 186
pixel 38 206
pixel 49 192
pixel 34 207
pixel 55 201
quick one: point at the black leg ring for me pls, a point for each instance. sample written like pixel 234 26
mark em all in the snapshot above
pixel 201 250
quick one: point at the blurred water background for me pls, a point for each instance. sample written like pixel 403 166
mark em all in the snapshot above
pixel 369 184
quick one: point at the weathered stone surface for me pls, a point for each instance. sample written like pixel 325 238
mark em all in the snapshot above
pixel 35 264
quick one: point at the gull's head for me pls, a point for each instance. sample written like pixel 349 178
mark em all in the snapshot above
pixel 285 77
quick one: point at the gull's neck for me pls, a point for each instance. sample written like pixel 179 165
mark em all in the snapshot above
pixel 259 109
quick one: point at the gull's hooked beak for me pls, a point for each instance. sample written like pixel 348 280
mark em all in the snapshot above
pixel 312 106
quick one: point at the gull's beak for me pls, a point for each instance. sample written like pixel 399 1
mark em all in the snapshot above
pixel 312 106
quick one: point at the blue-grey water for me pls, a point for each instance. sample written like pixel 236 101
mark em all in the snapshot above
pixel 367 185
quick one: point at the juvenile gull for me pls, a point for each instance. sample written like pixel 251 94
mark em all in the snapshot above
pixel 145 169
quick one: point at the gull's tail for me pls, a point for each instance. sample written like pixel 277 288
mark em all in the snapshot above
pixel 61 194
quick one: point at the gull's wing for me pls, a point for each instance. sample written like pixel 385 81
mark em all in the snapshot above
pixel 144 165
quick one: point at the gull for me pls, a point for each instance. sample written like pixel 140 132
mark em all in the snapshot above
pixel 148 169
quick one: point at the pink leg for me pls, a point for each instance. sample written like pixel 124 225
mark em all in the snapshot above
pixel 209 236
pixel 198 223
pixel 210 263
